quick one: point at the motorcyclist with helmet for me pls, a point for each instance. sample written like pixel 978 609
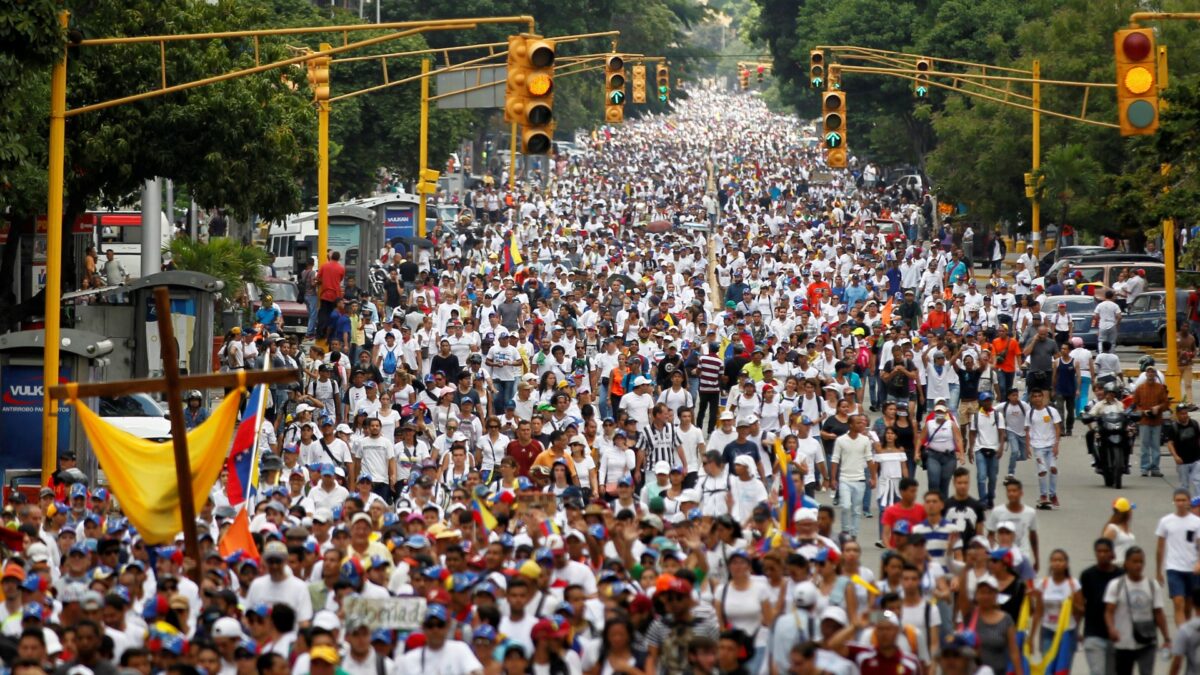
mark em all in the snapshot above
pixel 194 413
pixel 1110 404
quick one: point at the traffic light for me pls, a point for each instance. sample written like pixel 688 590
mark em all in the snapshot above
pixel 816 69
pixel 833 128
pixel 662 78
pixel 529 91
pixel 614 90
pixel 639 83
pixel 921 83
pixel 761 68
pixel 1137 81
pixel 743 77
pixel 318 77
pixel 427 183
pixel 835 77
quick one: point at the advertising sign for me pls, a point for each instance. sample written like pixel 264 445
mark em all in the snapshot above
pixel 21 416
pixel 183 320
pixel 398 222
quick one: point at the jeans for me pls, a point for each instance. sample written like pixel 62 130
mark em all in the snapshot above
pixel 875 386
pixel 1047 465
pixel 506 390
pixel 1066 410
pixel 940 467
pixel 866 500
pixel 1189 477
pixel 1006 381
pixel 1016 450
pixel 1150 438
pixel 851 493
pixel 1081 399
pixel 952 400
pixel 1143 658
pixel 1099 655
pixel 693 386
pixel 311 302
pixel 1107 337
pixel 987 467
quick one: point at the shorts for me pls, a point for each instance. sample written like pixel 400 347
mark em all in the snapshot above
pixel 1181 584
pixel 967 408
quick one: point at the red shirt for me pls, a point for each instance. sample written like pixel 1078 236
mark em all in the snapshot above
pixel 330 276
pixel 913 515
pixel 873 662
pixel 525 454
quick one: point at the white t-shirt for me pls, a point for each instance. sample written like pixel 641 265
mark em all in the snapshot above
pixel 743 608
pixel 454 658
pixel 291 591
pixel 1108 311
pixel 638 407
pixel 1025 522
pixel 374 454
pixel 1053 596
pixel 1042 427
pixel 1135 600
pixel 1179 534
pixel 810 451
pixel 691 440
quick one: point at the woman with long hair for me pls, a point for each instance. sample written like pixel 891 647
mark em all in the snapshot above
pixel 1119 528
pixel 855 594
pixel 547 386
pixel 1049 596
pixel 616 650
pixel 746 604
pixel 560 478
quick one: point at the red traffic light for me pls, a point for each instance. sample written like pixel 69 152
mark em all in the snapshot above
pixel 761 69
pixel 1136 46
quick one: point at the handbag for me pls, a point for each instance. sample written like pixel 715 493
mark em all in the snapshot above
pixel 1144 632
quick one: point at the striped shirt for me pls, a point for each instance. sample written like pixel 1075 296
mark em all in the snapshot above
pixel 659 444
pixel 937 538
pixel 711 367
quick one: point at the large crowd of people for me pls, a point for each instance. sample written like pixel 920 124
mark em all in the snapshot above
pixel 642 415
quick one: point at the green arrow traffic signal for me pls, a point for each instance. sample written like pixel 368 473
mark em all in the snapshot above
pixel 833 139
pixel 817 82
pixel 922 91
pixel 616 97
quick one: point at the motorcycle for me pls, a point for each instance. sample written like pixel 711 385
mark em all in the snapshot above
pixel 1110 441
pixel 378 278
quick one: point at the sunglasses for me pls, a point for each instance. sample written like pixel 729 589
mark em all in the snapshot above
pixel 435 624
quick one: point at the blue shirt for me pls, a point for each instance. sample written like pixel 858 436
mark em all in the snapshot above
pixel 268 316
pixel 855 293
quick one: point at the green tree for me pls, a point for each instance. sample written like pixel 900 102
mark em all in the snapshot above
pixel 229 260
pixel 1070 183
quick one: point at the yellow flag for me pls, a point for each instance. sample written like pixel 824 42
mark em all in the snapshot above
pixel 141 473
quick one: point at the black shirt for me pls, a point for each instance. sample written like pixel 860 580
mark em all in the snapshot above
pixel 1186 440
pixel 967 513
pixel 1092 583
pixel 836 427
pixel 968 384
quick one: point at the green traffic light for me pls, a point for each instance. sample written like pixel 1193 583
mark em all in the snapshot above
pixel 662 89
pixel 922 91
pixel 833 139
pixel 616 97
pixel 817 82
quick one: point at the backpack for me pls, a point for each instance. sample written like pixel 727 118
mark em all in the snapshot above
pixel 864 357
pixel 389 362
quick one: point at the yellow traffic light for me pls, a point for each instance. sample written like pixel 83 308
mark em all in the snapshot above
pixel 318 77
pixel 662 78
pixel 833 128
pixel 537 136
pixel 614 89
pixel 835 77
pixel 639 83
pixel 921 83
pixel 1137 81
pixel 518 73
pixel 743 77
pixel 816 69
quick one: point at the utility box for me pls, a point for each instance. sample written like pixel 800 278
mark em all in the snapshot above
pixel 84 357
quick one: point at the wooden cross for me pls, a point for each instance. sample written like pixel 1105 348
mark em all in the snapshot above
pixel 174 385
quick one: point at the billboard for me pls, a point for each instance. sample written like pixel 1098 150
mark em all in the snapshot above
pixel 398 222
pixel 21 416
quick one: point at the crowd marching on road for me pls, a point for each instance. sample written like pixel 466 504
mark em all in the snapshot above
pixel 635 421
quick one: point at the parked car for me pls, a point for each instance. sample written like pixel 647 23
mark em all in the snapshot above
pixel 1080 307
pixel 137 414
pixel 1054 255
pixel 287 297
pixel 1104 269
pixel 1145 319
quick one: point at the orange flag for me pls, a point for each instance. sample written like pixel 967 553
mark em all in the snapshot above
pixel 237 538
pixel 886 314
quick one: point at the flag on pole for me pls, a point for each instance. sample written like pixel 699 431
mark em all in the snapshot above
pixel 242 464
pixel 885 315
pixel 237 537
pixel 787 490
pixel 514 250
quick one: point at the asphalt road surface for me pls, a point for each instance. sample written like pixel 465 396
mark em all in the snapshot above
pixel 1085 505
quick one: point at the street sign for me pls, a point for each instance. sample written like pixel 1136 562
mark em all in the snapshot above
pixel 484 97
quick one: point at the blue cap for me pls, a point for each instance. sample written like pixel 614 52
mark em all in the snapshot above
pixel 524 483
pixel 432 572
pixel 80 548
pixel 902 527
pixel 78 490
pixel 624 481
pixel 485 632
pixel 461 583
pixel 695 514
pixel 485 587
pixel 33 610
pixel 173 643
pixel 985 396
pixel 328 470
pixel 436 611
pixel 33 582
pixel 598 532
pixel 506 541
pixel 544 555
pixel 262 609
pixel 417 541
pixel 382 635
pixel 379 561
pixel 100 493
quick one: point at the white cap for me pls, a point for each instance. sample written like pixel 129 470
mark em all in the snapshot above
pixel 327 620
pixel 727 415
pixel 38 553
pixel 805 514
pixel 690 495
pixel 744 460
pixel 988 580
pixel 304 407
pixel 227 627
pixel 1007 525
pixel 662 468
pixel 835 614
pixel 344 429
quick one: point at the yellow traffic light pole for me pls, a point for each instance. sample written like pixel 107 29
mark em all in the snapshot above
pixel 57 136
pixel 423 148
pixel 1035 205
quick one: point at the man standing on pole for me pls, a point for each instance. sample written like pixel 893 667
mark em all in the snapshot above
pixel 329 277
